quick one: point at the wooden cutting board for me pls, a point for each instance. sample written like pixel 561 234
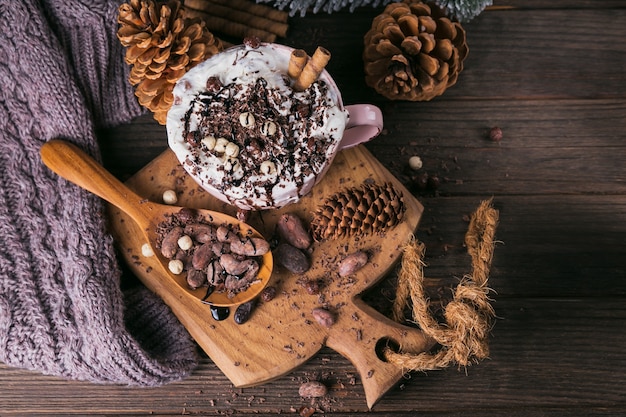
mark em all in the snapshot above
pixel 282 334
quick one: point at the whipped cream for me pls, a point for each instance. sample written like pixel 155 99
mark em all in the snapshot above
pixel 241 131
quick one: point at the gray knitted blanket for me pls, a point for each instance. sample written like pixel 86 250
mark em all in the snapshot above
pixel 62 311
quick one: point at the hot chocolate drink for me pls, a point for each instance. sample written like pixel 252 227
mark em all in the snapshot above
pixel 245 134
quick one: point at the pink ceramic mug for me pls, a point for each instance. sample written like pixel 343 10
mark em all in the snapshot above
pixel 351 125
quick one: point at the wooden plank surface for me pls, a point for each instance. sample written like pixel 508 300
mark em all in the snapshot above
pixel 552 75
pixel 542 361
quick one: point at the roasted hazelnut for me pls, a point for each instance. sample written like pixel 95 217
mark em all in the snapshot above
pixel 268 128
pixel 231 149
pixel 246 119
pixel 185 242
pixel 209 141
pixel 415 163
pixel 146 250
pixel 175 266
pixel 170 197
pixel 267 167
pixel 220 145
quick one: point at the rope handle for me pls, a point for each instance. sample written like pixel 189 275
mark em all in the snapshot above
pixel 463 338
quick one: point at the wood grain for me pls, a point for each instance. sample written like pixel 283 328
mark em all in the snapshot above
pixel 531 372
pixel 551 74
pixel 282 334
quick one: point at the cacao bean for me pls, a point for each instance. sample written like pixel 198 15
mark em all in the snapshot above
pixel 253 270
pixel 187 215
pixel 292 258
pixel 233 283
pixel 196 278
pixel 225 234
pixel 183 257
pixel 201 232
pixel 215 273
pixel 202 256
pixel 352 263
pixel 268 293
pixel 323 317
pixel 249 246
pixel 220 248
pixel 291 229
pixel 243 312
pixel 169 244
pixel 233 265
pixel 312 389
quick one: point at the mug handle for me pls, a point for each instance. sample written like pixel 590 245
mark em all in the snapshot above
pixel 365 122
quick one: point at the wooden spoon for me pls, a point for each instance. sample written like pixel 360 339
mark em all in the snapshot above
pixel 71 163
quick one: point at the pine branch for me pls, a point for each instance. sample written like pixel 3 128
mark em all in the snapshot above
pixel 462 10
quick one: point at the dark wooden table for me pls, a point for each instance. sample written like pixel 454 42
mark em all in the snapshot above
pixel 552 75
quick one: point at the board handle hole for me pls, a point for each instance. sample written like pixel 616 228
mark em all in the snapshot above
pixel 385 343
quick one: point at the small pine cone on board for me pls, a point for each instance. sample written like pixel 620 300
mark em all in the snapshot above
pixel 371 208
pixel 413 51
pixel 162 45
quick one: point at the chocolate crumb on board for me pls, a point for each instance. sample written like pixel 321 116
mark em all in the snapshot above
pixel 306 411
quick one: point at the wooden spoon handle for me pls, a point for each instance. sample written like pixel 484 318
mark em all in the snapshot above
pixel 73 164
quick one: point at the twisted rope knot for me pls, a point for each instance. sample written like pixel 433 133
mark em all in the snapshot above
pixel 463 338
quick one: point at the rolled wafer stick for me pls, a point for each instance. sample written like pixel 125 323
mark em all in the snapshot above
pixel 251 7
pixel 297 61
pixel 312 69
pixel 227 27
pixel 239 16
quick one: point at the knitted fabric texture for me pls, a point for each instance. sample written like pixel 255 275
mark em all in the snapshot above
pixel 62 311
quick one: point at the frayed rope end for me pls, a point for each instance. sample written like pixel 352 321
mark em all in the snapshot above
pixel 469 317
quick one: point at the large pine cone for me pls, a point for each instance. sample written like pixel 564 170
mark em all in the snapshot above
pixel 372 208
pixel 413 51
pixel 162 46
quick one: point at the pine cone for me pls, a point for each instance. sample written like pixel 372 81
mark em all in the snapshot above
pixel 162 46
pixel 413 51
pixel 355 211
